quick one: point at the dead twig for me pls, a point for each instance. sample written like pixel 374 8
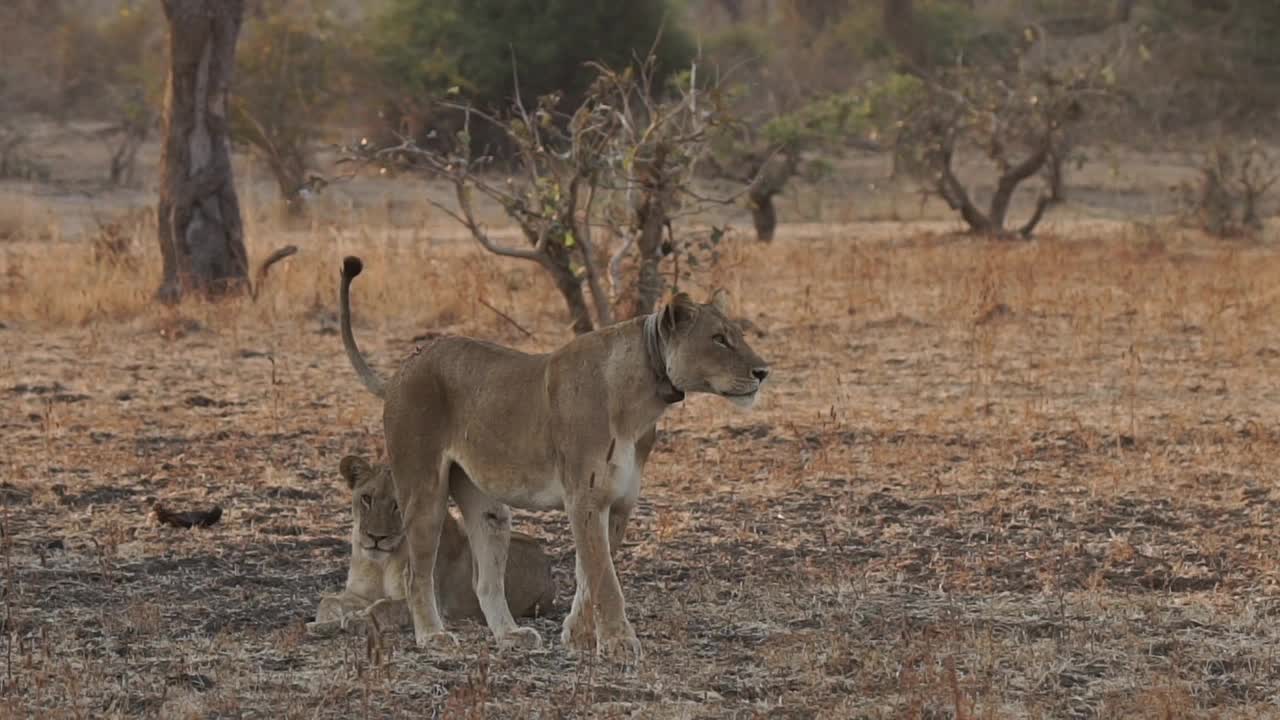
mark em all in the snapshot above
pixel 506 317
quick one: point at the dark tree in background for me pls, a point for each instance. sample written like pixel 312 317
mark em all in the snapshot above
pixel 200 230
pixel 424 47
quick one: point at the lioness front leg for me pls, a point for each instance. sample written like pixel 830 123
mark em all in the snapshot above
pixel 488 525
pixel 597 600
pixel 628 472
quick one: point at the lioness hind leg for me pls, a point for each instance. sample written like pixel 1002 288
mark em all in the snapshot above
pixel 619 515
pixel 488 525
pixel 424 504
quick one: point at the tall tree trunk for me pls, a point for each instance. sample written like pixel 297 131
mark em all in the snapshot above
pixel 200 231
pixel 771 175
pixel 1121 11
pixel 570 288
pixel 733 8
pixel 763 214
pixel 649 282
pixel 290 171
pixel 899 20
pixel 652 218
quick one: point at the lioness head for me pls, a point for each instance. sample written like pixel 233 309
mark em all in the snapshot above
pixel 706 352
pixel 375 515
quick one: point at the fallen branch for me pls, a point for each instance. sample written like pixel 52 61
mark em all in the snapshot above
pixel 186 518
pixel 261 276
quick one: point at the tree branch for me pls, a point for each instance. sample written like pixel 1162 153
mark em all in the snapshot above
pixel 604 312
pixel 469 221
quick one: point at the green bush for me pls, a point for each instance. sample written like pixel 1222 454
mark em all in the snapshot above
pixel 1209 63
pixel 112 65
pixel 426 47
pixel 948 28
pixel 291 67
pixel 836 118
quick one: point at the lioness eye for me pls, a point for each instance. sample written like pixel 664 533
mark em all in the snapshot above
pixel 367 500
pixel 720 339
pixel 395 506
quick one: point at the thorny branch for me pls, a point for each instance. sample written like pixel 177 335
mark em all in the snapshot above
pixel 623 159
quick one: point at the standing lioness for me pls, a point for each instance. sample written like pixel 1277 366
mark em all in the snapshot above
pixel 570 429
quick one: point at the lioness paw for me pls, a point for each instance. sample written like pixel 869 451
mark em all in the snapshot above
pixel 623 649
pixel 439 640
pixel 578 634
pixel 524 638
pixel 324 628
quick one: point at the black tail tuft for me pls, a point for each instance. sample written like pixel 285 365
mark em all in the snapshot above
pixel 351 266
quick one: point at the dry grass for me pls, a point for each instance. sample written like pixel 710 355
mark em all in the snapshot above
pixel 989 480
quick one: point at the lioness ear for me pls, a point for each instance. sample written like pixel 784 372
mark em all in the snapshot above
pixel 680 311
pixel 720 299
pixel 352 467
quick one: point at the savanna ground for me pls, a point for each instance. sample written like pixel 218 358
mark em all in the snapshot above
pixel 986 479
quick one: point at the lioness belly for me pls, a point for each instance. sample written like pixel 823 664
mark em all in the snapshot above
pixel 522 486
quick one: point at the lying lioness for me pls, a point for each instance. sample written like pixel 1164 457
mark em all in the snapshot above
pixel 492 426
pixel 379 558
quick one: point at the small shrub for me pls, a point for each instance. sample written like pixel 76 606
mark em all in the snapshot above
pixel 291 66
pixel 1233 180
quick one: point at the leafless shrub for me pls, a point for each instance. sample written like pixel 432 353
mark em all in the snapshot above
pixel 1233 180
pixel 113 244
pixel 764 171
pixel 623 160
pixel 124 139
pixel 15 161
pixel 1020 121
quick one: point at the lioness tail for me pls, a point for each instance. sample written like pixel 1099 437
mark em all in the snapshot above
pixel 351 267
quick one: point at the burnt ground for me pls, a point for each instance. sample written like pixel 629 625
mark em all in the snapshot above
pixel 987 481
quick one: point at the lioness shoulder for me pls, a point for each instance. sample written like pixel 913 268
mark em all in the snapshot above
pixel 379 558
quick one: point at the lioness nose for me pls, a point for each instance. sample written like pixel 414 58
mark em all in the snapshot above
pixel 377 538
pixel 760 373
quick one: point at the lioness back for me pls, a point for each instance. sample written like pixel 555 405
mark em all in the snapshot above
pixel 379 558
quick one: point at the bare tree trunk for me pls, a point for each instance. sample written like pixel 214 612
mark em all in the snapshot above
pixel 287 160
pixel 124 157
pixel 651 220
pixel 899 20
pixel 820 13
pixel 582 231
pixel 649 283
pixel 200 231
pixel 733 8
pixel 771 175
pixel 290 170
pixel 1010 181
pixel 763 214
pixel 570 287
pixel 1122 11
